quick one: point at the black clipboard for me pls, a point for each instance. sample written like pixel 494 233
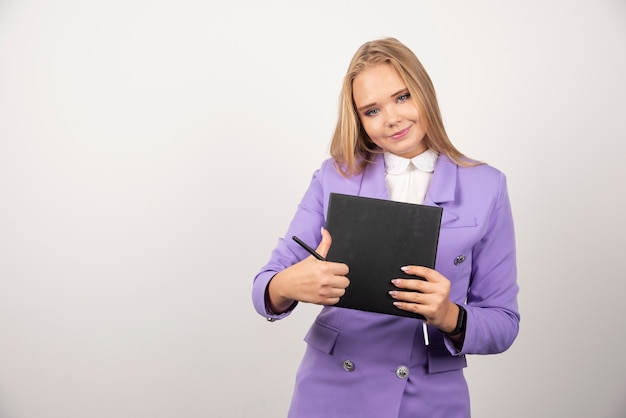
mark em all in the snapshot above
pixel 375 237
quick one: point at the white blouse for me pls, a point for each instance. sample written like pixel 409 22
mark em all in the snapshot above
pixel 408 179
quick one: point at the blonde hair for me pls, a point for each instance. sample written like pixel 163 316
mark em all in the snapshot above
pixel 351 148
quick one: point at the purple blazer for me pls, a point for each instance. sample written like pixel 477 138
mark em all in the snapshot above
pixel 363 364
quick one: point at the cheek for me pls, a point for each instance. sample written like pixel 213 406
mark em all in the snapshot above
pixel 370 129
pixel 417 117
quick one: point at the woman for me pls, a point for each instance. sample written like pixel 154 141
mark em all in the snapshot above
pixel 390 143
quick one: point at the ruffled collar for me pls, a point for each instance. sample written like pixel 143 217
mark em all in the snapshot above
pixel 394 164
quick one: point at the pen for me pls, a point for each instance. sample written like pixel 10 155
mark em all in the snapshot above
pixel 309 249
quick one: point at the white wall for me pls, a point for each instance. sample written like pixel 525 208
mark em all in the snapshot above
pixel 151 153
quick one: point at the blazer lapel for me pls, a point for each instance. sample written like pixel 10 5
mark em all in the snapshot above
pixel 443 189
pixel 441 192
pixel 373 179
pixel 443 183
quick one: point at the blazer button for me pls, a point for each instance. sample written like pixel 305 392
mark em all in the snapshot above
pixel 348 365
pixel 402 372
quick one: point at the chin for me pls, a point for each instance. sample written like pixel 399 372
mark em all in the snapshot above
pixel 408 153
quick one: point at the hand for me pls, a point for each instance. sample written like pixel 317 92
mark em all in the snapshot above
pixel 430 297
pixel 310 280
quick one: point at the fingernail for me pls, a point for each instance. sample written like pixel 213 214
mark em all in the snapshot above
pixel 404 268
pixel 395 281
pixel 393 293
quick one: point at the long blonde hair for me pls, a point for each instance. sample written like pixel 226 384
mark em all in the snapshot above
pixel 351 148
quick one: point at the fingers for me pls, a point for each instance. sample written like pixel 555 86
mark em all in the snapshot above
pixel 413 284
pixel 426 273
pixel 411 297
pixel 331 296
pixel 314 281
pixel 414 307
pixel 432 282
pixel 324 246
pixel 418 271
pixel 428 297
pixel 426 304
pixel 327 290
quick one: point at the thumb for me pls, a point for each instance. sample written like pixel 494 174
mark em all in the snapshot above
pixel 324 246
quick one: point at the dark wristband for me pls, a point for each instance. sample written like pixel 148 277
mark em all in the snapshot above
pixel 460 322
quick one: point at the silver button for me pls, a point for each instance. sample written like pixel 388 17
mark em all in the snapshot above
pixel 348 365
pixel 402 372
pixel 270 319
pixel 459 260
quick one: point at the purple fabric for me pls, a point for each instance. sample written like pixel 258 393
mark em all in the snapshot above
pixel 477 224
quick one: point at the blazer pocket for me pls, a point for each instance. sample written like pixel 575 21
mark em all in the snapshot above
pixel 452 220
pixel 322 337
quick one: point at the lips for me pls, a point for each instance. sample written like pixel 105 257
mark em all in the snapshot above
pixel 400 134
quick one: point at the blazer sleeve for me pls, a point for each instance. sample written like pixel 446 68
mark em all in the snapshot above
pixel 492 310
pixel 306 224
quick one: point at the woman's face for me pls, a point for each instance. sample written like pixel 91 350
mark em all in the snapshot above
pixel 387 112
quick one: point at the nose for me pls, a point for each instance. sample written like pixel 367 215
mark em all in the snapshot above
pixel 393 118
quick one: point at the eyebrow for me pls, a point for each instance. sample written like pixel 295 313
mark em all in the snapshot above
pixel 402 90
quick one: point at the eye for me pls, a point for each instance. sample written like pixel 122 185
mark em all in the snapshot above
pixel 372 112
pixel 404 97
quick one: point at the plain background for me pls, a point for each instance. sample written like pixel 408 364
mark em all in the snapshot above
pixel 152 152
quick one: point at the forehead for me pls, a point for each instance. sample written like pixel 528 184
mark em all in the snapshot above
pixel 376 83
